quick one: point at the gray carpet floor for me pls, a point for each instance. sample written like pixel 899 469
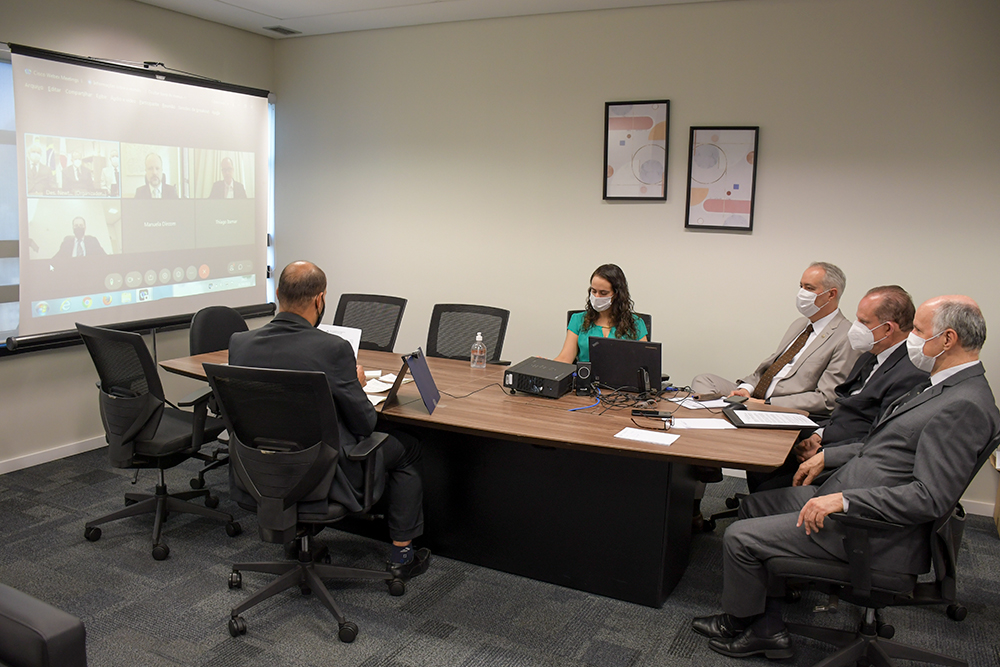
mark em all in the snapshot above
pixel 141 612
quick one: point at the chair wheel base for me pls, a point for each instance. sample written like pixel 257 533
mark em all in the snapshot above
pixel 396 587
pixel 348 632
pixel 233 528
pixel 161 551
pixel 197 483
pixel 237 626
pixel 957 612
pixel 92 534
pixel 236 579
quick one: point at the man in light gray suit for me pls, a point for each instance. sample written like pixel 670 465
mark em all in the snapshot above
pixel 911 469
pixel 815 352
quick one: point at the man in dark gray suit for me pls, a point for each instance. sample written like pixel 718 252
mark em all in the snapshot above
pixel 291 341
pixel 881 375
pixel 911 469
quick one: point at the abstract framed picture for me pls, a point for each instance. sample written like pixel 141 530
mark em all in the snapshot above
pixel 635 149
pixel 722 175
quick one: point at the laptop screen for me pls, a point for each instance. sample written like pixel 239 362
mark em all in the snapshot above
pixel 627 365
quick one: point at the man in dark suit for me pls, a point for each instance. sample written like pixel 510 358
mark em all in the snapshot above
pixel 40 178
pixel 80 244
pixel 881 375
pixel 911 469
pixel 227 188
pixel 291 341
pixel 155 187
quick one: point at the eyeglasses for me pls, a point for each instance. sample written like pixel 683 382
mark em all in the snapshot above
pixel 667 422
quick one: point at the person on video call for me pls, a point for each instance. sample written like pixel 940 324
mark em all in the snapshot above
pixel 155 187
pixel 75 177
pixel 227 188
pixel 40 177
pixel 80 244
pixel 608 315
pixel 111 176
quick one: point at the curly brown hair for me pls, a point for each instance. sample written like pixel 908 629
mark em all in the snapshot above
pixel 622 317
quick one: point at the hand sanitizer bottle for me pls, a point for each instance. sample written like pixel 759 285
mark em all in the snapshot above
pixel 478 352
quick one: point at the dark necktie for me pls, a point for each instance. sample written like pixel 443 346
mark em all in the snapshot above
pixel 114 188
pixel 80 251
pixel 862 379
pixel 765 380
pixel 913 393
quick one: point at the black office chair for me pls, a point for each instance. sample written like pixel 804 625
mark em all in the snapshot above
pixel 857 583
pixel 143 433
pixel 454 327
pixel 648 319
pixel 377 316
pixel 36 634
pixel 284 448
pixel 211 329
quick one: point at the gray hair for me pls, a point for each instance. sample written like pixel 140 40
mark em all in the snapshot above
pixel 833 277
pixel 965 319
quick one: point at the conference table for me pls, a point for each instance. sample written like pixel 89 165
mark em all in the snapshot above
pixel 528 485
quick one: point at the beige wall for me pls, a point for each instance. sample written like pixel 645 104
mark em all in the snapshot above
pixel 49 399
pixel 461 162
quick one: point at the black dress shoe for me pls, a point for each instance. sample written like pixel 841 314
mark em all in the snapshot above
pixel 720 625
pixel 775 647
pixel 421 561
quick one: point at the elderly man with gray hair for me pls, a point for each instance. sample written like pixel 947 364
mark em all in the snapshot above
pixel 911 469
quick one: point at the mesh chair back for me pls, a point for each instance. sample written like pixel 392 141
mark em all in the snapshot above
pixel 377 316
pixel 284 445
pixel 454 327
pixel 648 319
pixel 212 327
pixel 131 394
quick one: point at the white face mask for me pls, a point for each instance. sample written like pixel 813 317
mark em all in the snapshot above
pixel 861 337
pixel 600 303
pixel 805 301
pixel 915 350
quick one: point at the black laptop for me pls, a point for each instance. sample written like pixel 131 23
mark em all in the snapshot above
pixel 625 365
pixel 417 365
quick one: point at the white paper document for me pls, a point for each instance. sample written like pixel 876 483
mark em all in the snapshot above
pixel 391 378
pixel 375 399
pixel 692 404
pixel 374 375
pixel 653 437
pixel 350 334
pixel 376 387
pixel 781 419
pixel 702 423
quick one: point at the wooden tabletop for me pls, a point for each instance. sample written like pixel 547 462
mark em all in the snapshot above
pixel 548 422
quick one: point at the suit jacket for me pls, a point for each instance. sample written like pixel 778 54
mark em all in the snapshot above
pixel 914 466
pixel 289 342
pixel 42 182
pixel 90 244
pixel 821 367
pixel 167 191
pixel 854 415
pixel 219 190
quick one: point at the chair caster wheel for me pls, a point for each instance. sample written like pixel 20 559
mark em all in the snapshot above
pixel 160 551
pixel 92 534
pixel 732 503
pixel 211 502
pixel 237 626
pixel 885 631
pixel 396 587
pixel 197 483
pixel 957 612
pixel 348 632
pixel 305 590
pixel 233 528
pixel 708 526
pixel 235 579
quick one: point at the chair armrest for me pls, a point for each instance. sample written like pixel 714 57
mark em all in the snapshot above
pixel 858 547
pixel 364 451
pixel 196 397
pixel 34 633
pixel 498 362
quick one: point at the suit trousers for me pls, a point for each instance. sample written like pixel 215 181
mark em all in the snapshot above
pixel 766 529
pixel 404 486
pixel 708 383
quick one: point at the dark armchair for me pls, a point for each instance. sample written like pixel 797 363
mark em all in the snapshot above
pixel 377 316
pixel 454 327
pixel 284 447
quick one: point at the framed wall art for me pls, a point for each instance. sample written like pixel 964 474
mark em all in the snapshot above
pixel 722 174
pixel 635 149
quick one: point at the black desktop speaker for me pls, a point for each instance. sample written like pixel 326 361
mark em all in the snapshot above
pixel 583 378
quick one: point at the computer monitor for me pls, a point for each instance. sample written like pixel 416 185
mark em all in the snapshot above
pixel 626 365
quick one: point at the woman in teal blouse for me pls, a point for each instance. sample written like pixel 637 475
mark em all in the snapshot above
pixel 608 315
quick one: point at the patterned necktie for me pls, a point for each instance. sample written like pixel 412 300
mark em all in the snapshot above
pixel 80 251
pixel 916 391
pixel 765 380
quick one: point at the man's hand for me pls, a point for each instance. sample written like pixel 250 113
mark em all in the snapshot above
pixel 361 375
pixel 740 392
pixel 817 509
pixel 808 470
pixel 806 448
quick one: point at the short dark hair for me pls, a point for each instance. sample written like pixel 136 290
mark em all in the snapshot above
pixel 895 306
pixel 965 319
pixel 297 286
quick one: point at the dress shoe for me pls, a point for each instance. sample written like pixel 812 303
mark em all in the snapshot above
pixel 421 561
pixel 719 626
pixel 774 647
